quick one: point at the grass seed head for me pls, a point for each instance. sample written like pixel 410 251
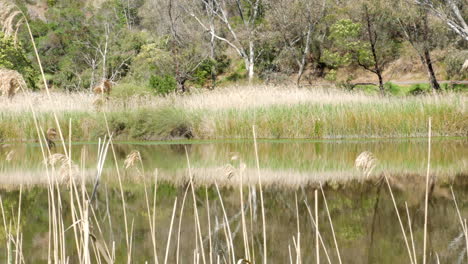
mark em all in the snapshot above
pixel 131 159
pixel 9 156
pixel 10 82
pixel 365 162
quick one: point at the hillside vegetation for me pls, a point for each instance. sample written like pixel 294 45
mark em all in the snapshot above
pixel 162 46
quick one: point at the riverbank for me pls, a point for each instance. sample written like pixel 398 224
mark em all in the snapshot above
pixel 229 113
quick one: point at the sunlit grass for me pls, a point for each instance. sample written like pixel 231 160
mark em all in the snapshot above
pixel 229 113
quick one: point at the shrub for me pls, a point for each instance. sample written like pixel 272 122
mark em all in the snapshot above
pixel 162 85
pixel 417 89
pixel 125 90
pixel 392 88
pixel 331 75
pixel 203 72
pixel 454 62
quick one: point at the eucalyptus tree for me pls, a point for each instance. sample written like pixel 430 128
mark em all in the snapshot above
pixel 296 24
pixel 238 22
pixel 178 40
pixel 415 24
pixel 366 38
pixel 453 12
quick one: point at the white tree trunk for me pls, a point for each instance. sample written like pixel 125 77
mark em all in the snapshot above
pixel 251 61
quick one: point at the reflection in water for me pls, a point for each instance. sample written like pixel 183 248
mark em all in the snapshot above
pixel 293 162
pixel 365 222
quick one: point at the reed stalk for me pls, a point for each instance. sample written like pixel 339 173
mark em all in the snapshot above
pixel 462 223
pixel 317 247
pixel 195 208
pixel 265 256
pixel 411 234
pixel 168 243
pixel 426 201
pixel 331 224
pixel 410 254
pixel 314 225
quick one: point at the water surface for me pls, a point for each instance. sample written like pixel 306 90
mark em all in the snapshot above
pixel 364 219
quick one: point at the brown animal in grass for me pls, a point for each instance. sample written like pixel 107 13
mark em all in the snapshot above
pixel 104 87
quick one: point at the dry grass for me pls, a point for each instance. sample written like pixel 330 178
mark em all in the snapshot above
pixel 366 162
pixel 10 19
pixel 276 112
pixel 132 159
pixel 239 98
pixel 11 82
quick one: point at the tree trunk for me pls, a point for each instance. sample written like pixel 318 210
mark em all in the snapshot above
pixel 212 49
pixel 213 59
pixel 251 59
pixel 304 55
pixel 430 71
pixel 372 41
pixel 381 84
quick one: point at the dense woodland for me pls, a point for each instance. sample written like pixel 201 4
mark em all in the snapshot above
pixel 167 45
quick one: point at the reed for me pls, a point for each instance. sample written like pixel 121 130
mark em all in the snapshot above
pixel 335 117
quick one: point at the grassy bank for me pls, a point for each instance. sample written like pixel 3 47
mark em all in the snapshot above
pixel 230 113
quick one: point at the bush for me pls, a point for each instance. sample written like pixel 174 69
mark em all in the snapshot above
pixel 162 85
pixel 203 72
pixel 125 90
pixel 392 88
pixel 417 89
pixel 13 57
pixel 331 75
pixel 454 62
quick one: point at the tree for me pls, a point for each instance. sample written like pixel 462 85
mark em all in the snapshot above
pixel 240 36
pixel 416 29
pixel 295 22
pixel 452 12
pixel 383 46
pixel 12 54
pixel 13 57
pixel 79 46
pixel 178 35
pixel 369 43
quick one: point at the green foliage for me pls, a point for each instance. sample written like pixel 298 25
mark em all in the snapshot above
pixel 13 56
pixel 344 32
pixel 334 59
pixel 454 62
pixel 331 75
pixel 163 85
pixel 203 72
pixel 454 87
pixel 369 47
pixel 267 54
pixel 417 89
pixel 392 88
pixel 51 3
pixel 345 35
pixel 237 73
pixel 124 90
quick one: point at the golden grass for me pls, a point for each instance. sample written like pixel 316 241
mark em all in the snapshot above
pixel 11 82
pixel 235 97
pixel 10 19
pixel 366 162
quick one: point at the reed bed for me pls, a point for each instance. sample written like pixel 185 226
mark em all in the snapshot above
pixel 228 114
